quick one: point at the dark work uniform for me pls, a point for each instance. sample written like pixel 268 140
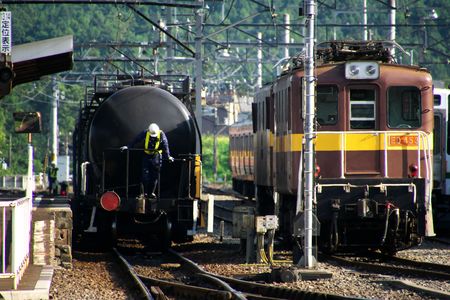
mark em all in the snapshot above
pixel 52 180
pixel 155 148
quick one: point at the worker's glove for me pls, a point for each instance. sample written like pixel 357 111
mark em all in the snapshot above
pixel 171 159
pixel 123 148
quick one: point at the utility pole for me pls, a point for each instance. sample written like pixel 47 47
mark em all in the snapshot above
pixel 365 30
pixel 392 32
pixel 309 82
pixel 170 44
pixel 287 36
pixel 198 68
pixel 54 121
pixel 259 57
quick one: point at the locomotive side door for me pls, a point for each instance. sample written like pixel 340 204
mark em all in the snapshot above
pixel 438 150
pixel 362 142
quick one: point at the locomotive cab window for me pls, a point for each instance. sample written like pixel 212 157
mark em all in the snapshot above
pixel 327 104
pixel 362 109
pixel 404 107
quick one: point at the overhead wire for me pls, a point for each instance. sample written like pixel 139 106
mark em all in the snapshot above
pixel 228 13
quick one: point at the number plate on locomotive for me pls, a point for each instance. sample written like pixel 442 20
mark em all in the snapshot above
pixel 403 140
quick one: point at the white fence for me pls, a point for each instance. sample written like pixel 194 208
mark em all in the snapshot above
pixel 19 182
pixel 13 182
pixel 15 238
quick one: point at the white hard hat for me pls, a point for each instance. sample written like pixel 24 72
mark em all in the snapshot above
pixel 153 129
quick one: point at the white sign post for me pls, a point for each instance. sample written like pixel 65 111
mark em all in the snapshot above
pixel 5 32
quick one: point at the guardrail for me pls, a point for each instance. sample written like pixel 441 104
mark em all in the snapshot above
pixel 15 226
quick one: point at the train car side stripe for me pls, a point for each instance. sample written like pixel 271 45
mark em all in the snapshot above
pixel 355 142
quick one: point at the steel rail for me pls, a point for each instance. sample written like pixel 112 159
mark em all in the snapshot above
pixel 280 292
pixel 252 290
pixel 142 288
pixel 405 284
pixel 415 263
pixel 374 267
pixel 198 269
pixel 183 290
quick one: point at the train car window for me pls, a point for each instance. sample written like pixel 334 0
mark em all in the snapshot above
pixel 404 107
pixel 275 110
pixel 255 116
pixel 437 135
pixel 437 100
pixel 268 117
pixel 362 109
pixel 263 116
pixel 448 129
pixel 289 105
pixel 283 112
pixel 327 104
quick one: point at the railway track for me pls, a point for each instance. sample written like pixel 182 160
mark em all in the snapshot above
pixel 141 289
pixel 195 283
pixel 382 264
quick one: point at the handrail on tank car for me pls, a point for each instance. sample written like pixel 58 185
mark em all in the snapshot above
pixel 189 157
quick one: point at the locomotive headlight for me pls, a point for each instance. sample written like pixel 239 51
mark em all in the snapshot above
pixel 370 70
pixel 354 70
pixel 362 70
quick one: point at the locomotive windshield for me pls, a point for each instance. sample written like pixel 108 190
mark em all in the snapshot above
pixel 327 104
pixel 362 109
pixel 404 107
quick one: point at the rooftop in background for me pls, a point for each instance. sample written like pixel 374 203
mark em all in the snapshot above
pixel 33 60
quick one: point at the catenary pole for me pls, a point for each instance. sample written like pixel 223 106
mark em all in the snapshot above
pixel 365 30
pixel 392 32
pixel 54 125
pixel 198 67
pixel 259 56
pixel 309 83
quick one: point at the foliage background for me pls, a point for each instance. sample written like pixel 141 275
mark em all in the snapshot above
pixel 223 158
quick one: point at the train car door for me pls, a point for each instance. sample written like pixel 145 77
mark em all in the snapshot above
pixel 362 142
pixel 439 150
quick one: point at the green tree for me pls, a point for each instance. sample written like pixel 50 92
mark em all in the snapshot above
pixel 223 168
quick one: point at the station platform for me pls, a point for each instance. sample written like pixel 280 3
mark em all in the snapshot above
pixel 50 247
pixel 34 285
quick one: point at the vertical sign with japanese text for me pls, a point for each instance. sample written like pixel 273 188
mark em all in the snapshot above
pixel 5 34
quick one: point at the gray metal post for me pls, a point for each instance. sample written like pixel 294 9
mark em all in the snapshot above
pixel 365 31
pixel 210 220
pixel 198 69
pixel 30 180
pixel 170 44
pixel 392 32
pixel 308 260
pixel 259 58
pixel 54 121
pixel 287 36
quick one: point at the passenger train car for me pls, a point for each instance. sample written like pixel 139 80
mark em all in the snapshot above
pixel 241 158
pixel 373 150
pixel 441 154
pixel 109 199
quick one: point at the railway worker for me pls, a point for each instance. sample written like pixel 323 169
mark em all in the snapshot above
pixel 52 173
pixel 156 148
